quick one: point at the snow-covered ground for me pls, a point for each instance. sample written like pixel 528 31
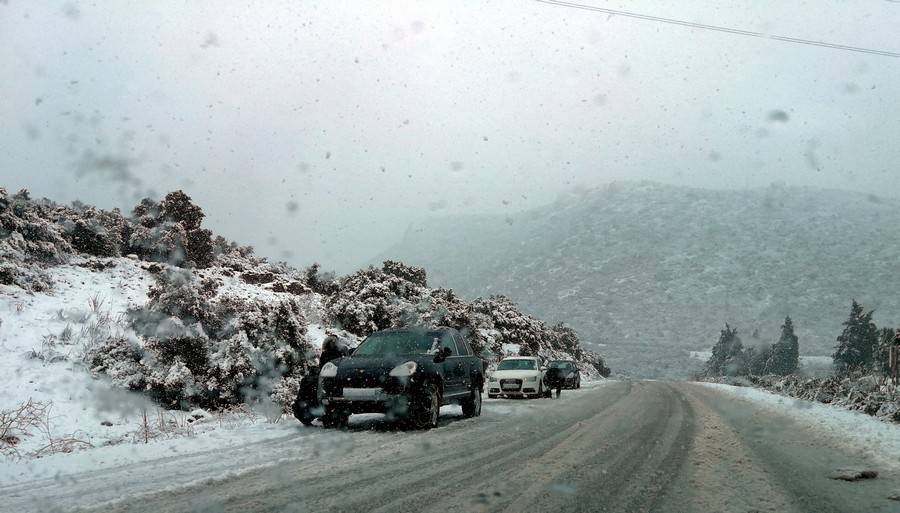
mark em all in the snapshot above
pixel 42 342
pixel 230 442
pixel 857 431
pixel 43 339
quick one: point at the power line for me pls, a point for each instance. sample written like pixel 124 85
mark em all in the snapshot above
pixel 727 30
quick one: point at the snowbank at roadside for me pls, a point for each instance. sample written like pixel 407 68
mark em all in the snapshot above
pixel 44 337
pixel 858 431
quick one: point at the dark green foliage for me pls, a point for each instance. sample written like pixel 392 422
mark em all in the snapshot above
pixel 414 275
pixel 759 360
pixel 177 207
pixel 170 232
pixel 29 231
pixel 728 358
pixel 98 233
pixel 374 299
pixel 858 343
pixel 193 351
pixel 882 357
pixel 215 351
pixel 786 352
pixel 120 359
pixel 199 247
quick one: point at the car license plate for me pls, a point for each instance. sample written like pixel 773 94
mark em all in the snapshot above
pixel 510 386
pixel 363 394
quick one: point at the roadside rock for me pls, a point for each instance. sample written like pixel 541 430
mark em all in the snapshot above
pixel 853 474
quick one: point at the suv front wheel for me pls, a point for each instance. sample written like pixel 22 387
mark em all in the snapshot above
pixel 426 409
pixel 335 418
pixel 471 407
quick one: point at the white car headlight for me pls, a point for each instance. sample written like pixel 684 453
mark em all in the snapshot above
pixel 329 370
pixel 492 379
pixel 531 378
pixel 404 370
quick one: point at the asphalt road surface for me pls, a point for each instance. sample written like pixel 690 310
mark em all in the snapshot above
pixel 620 447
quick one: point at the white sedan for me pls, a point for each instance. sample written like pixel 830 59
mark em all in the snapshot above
pixel 518 376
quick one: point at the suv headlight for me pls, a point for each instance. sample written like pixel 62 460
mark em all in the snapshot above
pixel 404 370
pixel 329 370
pixel 531 378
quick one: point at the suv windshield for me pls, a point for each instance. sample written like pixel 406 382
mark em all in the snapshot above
pixel 561 365
pixel 516 365
pixel 399 342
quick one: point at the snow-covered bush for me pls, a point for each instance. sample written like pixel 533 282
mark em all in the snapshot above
pixel 26 232
pixel 370 300
pixel 321 283
pixel 202 347
pixel 412 274
pixel 98 233
pixel 170 231
pixel 396 296
pixel 121 360
pixel 869 394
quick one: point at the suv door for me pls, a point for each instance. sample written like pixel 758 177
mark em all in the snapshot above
pixel 472 365
pixel 454 367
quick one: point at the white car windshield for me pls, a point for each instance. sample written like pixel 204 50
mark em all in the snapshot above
pixel 516 365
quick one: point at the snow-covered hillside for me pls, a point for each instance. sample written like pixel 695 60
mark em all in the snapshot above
pixel 653 271
pixel 187 331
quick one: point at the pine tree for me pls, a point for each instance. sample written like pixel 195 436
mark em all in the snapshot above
pixel 886 339
pixel 786 352
pixel 858 343
pixel 728 357
pixel 759 360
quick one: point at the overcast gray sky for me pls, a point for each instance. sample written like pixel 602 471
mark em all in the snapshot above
pixel 320 130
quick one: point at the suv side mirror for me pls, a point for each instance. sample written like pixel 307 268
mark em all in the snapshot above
pixel 442 355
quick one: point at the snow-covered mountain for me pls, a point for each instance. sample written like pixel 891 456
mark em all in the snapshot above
pixel 652 271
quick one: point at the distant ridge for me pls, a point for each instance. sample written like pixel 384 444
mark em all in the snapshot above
pixel 652 271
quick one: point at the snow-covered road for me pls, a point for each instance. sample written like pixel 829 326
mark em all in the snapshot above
pixel 618 446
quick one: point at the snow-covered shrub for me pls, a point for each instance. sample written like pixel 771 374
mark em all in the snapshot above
pixel 370 300
pixel 20 422
pixel 512 326
pixel 395 296
pixel 26 232
pixel 321 283
pixel 199 247
pixel 32 279
pixel 204 348
pixel 869 394
pixel 178 207
pixel 98 233
pixel 121 360
pixel 412 274
pixel 170 231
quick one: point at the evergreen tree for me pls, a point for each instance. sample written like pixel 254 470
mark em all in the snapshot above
pixel 858 343
pixel 728 358
pixel 759 360
pixel 886 339
pixel 785 356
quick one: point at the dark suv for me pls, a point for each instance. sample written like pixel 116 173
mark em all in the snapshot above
pixel 407 374
pixel 567 371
